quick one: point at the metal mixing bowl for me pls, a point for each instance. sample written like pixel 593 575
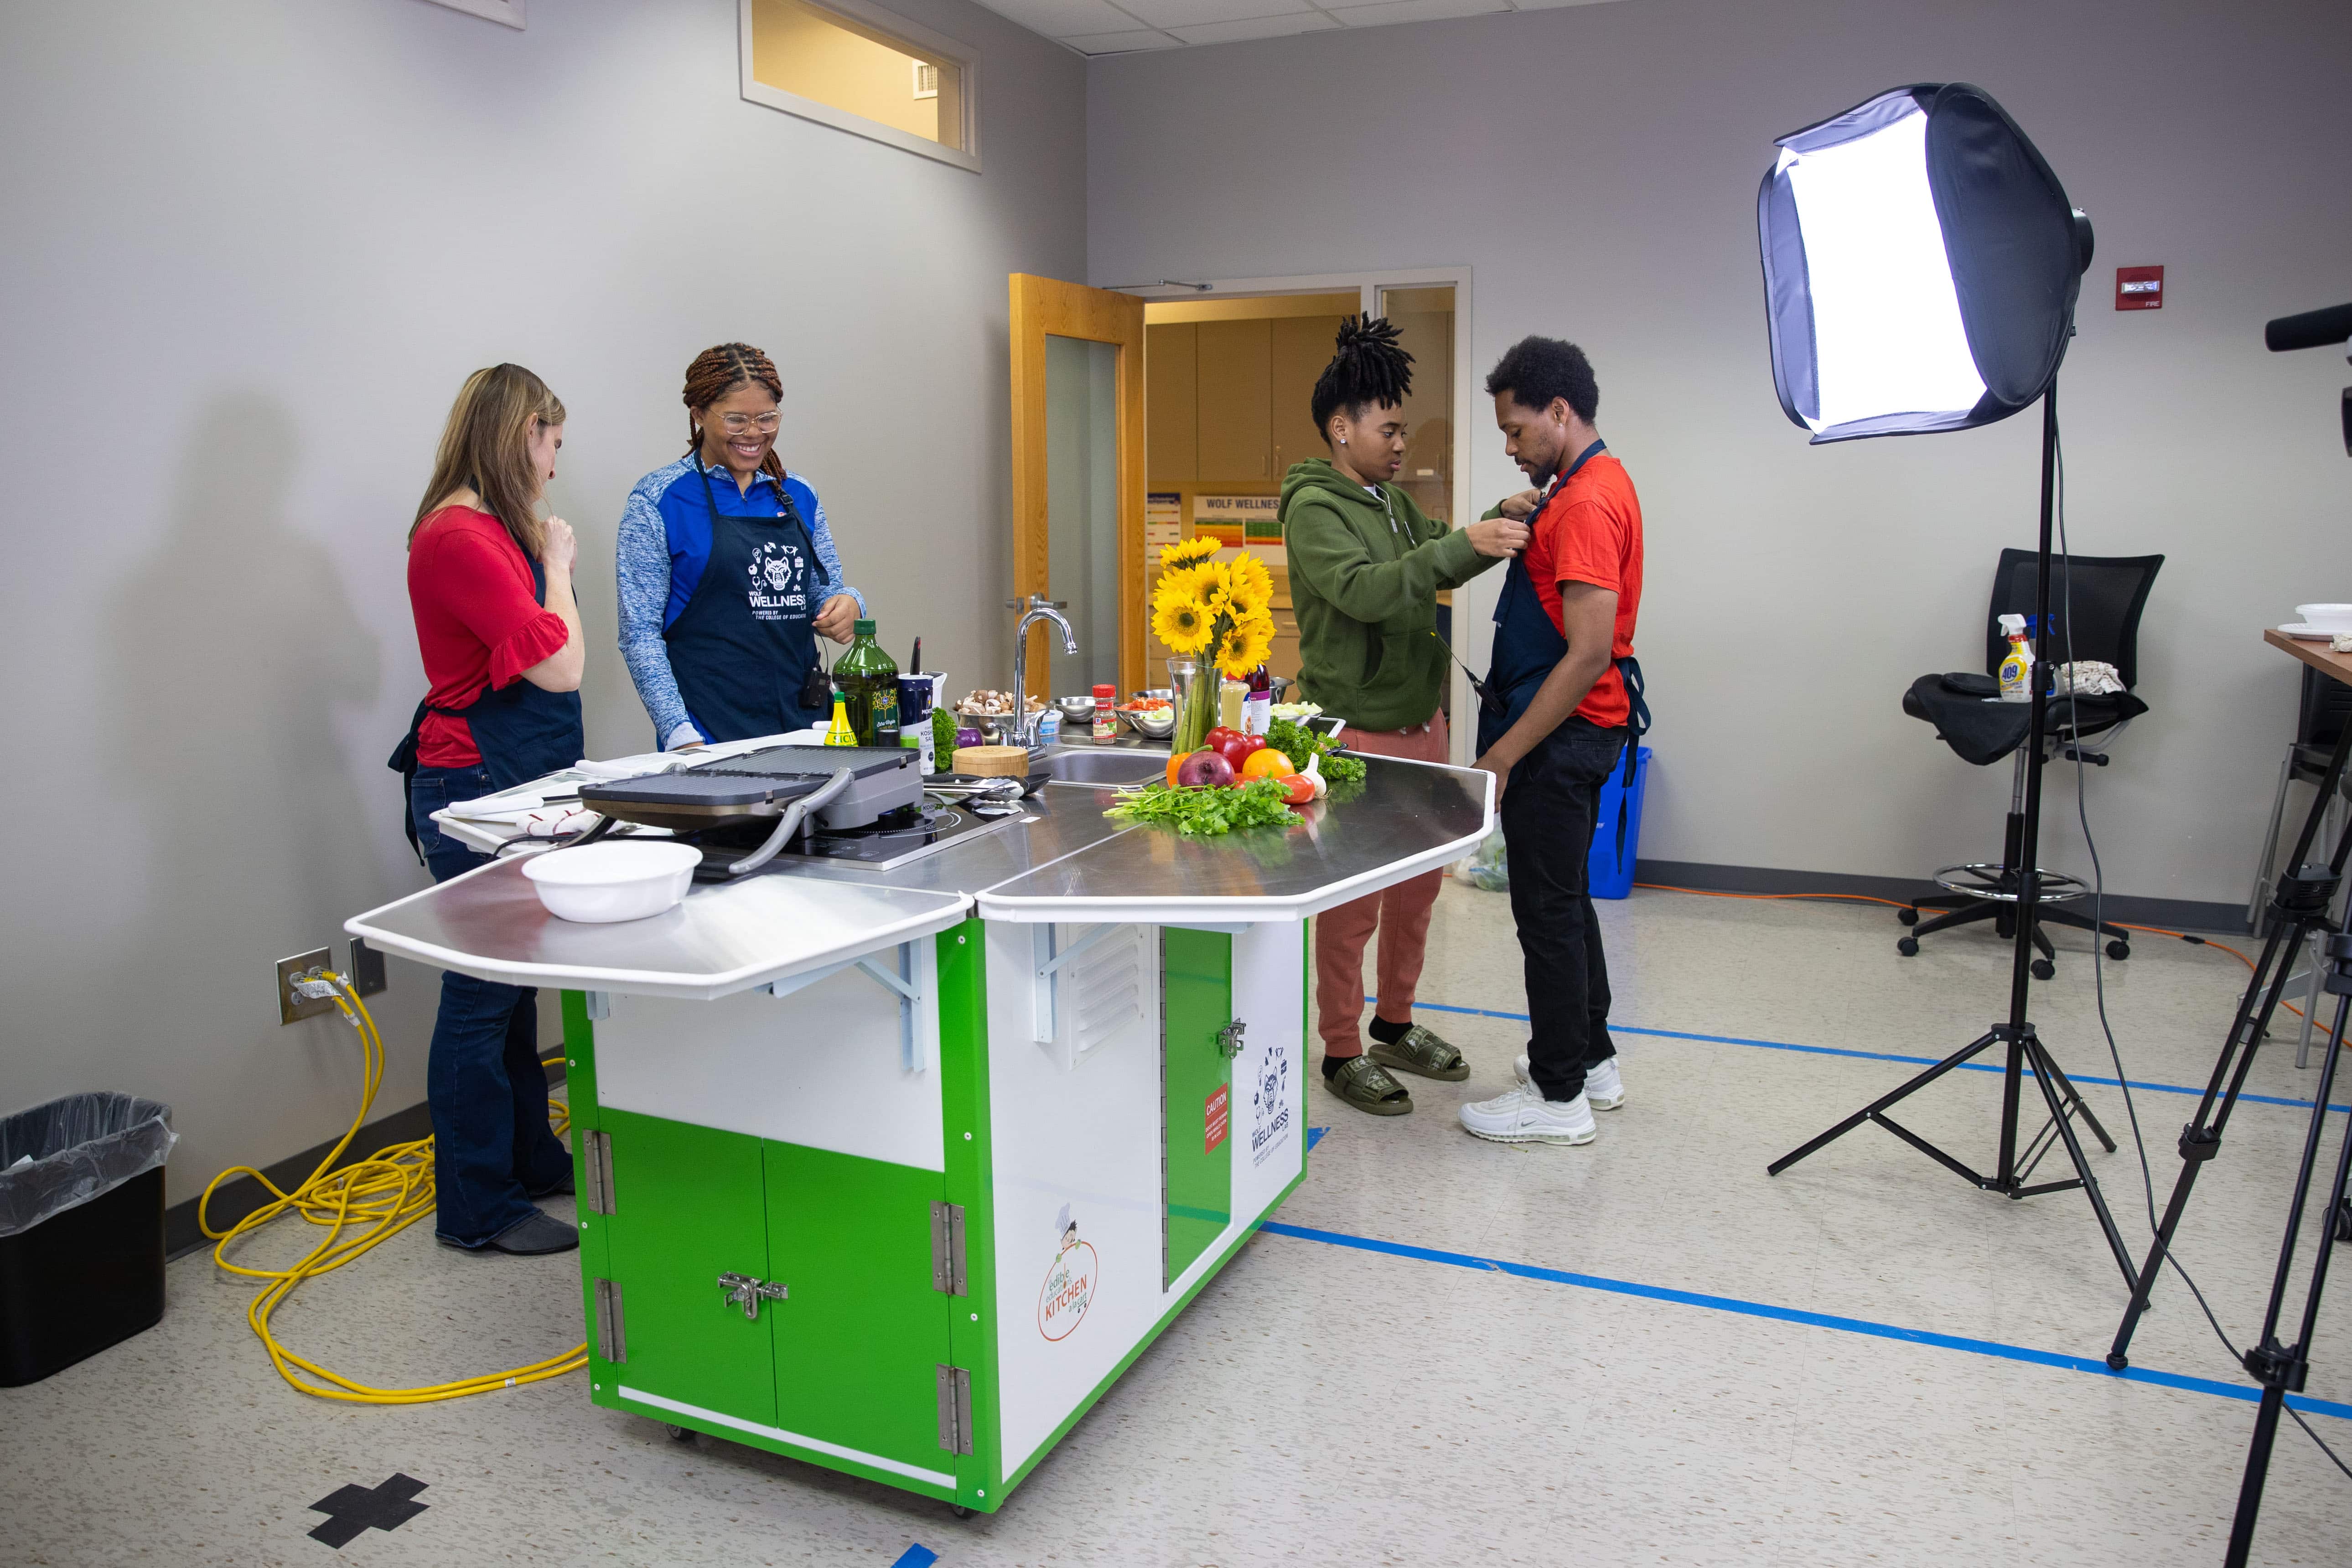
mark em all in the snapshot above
pixel 1157 724
pixel 1078 709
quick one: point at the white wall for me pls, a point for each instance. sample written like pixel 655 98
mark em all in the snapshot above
pixel 1598 165
pixel 253 247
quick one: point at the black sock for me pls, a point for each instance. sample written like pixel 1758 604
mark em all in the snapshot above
pixel 1386 1033
pixel 1331 1066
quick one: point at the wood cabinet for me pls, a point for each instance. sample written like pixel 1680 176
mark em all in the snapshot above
pixel 1236 442
pixel 1171 413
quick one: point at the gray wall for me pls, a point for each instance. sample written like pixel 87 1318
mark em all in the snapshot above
pixel 252 249
pixel 1598 165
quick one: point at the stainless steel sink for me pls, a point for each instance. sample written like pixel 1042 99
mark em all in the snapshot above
pixel 1106 767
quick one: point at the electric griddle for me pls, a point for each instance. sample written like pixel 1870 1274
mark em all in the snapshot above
pixel 757 787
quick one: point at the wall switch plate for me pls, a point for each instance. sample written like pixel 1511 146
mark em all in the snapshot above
pixel 367 968
pixel 291 1004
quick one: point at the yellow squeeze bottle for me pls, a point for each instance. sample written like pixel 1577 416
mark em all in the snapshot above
pixel 2017 665
pixel 840 733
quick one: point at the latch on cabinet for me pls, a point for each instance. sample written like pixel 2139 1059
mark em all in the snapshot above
pixel 746 1292
pixel 1229 1039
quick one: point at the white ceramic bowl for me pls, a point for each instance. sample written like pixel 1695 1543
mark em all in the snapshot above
pixel 2326 617
pixel 616 881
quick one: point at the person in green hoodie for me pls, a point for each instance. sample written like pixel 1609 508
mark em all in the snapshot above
pixel 1365 569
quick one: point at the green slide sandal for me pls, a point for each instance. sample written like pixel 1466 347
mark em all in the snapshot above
pixel 1424 1054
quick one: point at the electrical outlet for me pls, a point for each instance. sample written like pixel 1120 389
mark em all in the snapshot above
pixel 291 1004
pixel 367 968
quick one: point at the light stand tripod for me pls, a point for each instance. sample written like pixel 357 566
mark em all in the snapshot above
pixel 2282 1369
pixel 2305 892
pixel 2025 1048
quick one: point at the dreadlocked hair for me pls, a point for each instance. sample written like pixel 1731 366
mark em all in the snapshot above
pixel 1367 368
pixel 715 373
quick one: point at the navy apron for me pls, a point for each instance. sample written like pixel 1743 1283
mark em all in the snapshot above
pixel 522 731
pixel 1527 646
pixel 744 648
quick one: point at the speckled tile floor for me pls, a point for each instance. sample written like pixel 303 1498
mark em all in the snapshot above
pixel 1326 1403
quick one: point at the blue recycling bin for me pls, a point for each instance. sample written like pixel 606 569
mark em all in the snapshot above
pixel 1611 876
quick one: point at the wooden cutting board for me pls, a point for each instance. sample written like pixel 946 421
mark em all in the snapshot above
pixel 993 762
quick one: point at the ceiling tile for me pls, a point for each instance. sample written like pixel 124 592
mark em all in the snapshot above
pixel 1121 42
pixel 1063 18
pixel 1207 13
pixel 1257 27
pixel 1389 11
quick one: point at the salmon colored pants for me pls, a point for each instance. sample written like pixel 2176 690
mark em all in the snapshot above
pixel 1400 914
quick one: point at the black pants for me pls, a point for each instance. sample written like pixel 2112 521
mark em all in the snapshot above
pixel 1549 806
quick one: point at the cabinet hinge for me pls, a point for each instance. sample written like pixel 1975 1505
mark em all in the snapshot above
pixel 596 1165
pixel 946 1248
pixel 955 1410
pixel 611 1333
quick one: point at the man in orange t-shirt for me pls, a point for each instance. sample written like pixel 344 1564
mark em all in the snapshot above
pixel 1552 728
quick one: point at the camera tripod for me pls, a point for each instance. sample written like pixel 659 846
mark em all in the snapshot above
pixel 2012 1176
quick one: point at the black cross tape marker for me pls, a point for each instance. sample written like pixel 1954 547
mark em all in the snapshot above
pixel 351 1510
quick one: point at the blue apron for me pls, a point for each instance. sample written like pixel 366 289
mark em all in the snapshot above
pixel 744 649
pixel 1527 646
pixel 522 732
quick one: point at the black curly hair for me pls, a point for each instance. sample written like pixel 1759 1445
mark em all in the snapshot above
pixel 1367 367
pixel 1534 370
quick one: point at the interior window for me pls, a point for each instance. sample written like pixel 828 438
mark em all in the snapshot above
pixel 861 69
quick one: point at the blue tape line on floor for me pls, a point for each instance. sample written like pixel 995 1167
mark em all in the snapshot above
pixel 1315 1136
pixel 916 1557
pixel 1865 1056
pixel 1811 1320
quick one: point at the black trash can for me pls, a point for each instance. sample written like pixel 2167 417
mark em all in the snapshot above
pixel 81 1229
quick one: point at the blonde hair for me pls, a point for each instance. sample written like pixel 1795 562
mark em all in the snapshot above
pixel 485 449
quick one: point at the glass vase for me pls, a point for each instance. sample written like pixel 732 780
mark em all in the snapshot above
pixel 1192 687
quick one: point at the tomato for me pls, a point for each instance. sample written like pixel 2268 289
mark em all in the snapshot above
pixel 1300 789
pixel 1236 747
pixel 1266 763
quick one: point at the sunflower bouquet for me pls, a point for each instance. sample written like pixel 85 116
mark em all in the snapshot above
pixel 1219 613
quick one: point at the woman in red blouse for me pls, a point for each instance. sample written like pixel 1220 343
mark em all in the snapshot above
pixel 490 584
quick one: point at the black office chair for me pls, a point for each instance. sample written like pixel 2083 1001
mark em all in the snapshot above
pixel 2109 594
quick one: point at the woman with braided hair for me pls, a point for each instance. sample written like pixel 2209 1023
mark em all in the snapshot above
pixel 727 567
pixel 1365 569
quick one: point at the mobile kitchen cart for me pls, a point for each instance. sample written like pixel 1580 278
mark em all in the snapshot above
pixel 894 1168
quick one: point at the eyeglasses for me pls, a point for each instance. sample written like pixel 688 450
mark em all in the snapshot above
pixel 736 424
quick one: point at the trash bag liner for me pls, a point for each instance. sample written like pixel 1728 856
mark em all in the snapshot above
pixel 79 1147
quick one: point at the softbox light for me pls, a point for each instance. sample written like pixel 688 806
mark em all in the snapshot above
pixel 1921 266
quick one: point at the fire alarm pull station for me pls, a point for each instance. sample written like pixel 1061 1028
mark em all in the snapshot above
pixel 2139 288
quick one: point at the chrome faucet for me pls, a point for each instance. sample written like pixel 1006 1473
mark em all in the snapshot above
pixel 1035 608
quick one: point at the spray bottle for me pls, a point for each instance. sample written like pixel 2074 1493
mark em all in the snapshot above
pixel 2017 664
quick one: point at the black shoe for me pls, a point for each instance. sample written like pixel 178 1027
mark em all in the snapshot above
pixel 533 1236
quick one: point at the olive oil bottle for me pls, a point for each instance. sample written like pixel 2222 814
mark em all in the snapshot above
pixel 868 681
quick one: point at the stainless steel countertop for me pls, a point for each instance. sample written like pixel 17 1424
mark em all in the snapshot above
pixel 1064 862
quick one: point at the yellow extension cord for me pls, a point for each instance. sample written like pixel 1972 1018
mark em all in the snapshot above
pixel 387 1193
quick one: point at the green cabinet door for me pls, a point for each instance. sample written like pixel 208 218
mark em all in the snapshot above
pixel 861 1338
pixel 689 1205
pixel 1195 1095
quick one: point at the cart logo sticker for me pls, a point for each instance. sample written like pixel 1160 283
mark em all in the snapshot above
pixel 1069 1287
pixel 1216 1117
pixel 1270 1103
pixel 779 587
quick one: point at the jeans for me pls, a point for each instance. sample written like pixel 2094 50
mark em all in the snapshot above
pixel 1552 801
pixel 492 1148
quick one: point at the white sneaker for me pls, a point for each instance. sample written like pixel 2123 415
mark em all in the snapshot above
pixel 1523 1116
pixel 1602 1085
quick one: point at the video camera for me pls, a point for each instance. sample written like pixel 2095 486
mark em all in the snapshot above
pixel 2314 329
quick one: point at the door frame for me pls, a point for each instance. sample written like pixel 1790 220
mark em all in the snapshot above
pixel 1049 307
pixel 1474 602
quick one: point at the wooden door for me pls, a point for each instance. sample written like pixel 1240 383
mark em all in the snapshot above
pixel 1077 476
